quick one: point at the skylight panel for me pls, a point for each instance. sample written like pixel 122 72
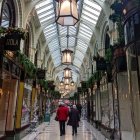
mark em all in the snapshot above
pixel 45 14
pixel 50 29
pixel 86 27
pixel 85 30
pixel 54 49
pixel 57 63
pixel 89 19
pixel 79 54
pixel 46 18
pixel 53 45
pixel 84 33
pixel 84 46
pixel 50 26
pixel 72 31
pixel 71 41
pixel 92 4
pixel 55 57
pixel 51 33
pixel 63 31
pixel 77 63
pixel 81 48
pixel 43 3
pixel 45 9
pixel 90 15
pixel 83 37
pixel 90 9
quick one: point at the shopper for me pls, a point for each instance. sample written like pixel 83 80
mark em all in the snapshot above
pixel 79 108
pixel 62 114
pixel 74 118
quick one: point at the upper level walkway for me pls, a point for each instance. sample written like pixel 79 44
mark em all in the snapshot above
pixel 50 131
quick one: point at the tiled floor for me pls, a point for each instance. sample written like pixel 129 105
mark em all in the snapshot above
pixel 50 131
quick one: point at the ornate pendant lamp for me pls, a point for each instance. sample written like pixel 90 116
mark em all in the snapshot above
pixel 67 57
pixel 67 13
pixel 66 86
pixel 72 83
pixel 66 80
pixel 67 73
pixel 61 83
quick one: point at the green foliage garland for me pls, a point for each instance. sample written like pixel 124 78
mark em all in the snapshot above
pixel 28 66
pixel 5 31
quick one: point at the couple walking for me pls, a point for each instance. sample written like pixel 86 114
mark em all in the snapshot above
pixel 63 113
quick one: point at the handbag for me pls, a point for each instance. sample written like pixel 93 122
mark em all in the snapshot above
pixel 56 118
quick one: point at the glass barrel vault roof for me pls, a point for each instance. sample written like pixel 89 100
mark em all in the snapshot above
pixel 79 35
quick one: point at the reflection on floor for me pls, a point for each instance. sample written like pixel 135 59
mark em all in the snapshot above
pixel 50 131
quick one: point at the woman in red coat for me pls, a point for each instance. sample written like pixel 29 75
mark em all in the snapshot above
pixel 62 115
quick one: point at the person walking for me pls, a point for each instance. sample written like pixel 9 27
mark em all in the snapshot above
pixel 74 118
pixel 79 108
pixel 62 115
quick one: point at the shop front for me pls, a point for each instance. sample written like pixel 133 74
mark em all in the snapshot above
pixel 132 42
pixel 9 81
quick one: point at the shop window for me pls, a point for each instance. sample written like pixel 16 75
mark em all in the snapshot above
pixel 132 28
pixel 107 41
pixel 35 60
pixel 137 26
pixel 8 14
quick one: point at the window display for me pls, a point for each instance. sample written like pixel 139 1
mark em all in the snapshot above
pixel 26 106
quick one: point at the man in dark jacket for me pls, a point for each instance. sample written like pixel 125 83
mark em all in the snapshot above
pixel 74 119
pixel 62 114
pixel 79 107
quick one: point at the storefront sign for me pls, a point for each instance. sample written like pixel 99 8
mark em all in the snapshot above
pixel 12 42
pixel 40 74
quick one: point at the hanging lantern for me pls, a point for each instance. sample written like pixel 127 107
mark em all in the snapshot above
pixel 67 56
pixel 66 86
pixel 72 83
pixel 66 80
pixel 67 73
pixel 67 13
pixel 61 83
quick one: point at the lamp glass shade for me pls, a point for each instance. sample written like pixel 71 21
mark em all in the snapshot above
pixel 67 73
pixel 72 83
pixel 61 83
pixel 66 80
pixel 67 57
pixel 66 86
pixel 67 13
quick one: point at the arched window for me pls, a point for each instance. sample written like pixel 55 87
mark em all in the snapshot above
pixel 8 17
pixel 27 43
pixel 107 40
pixel 35 60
